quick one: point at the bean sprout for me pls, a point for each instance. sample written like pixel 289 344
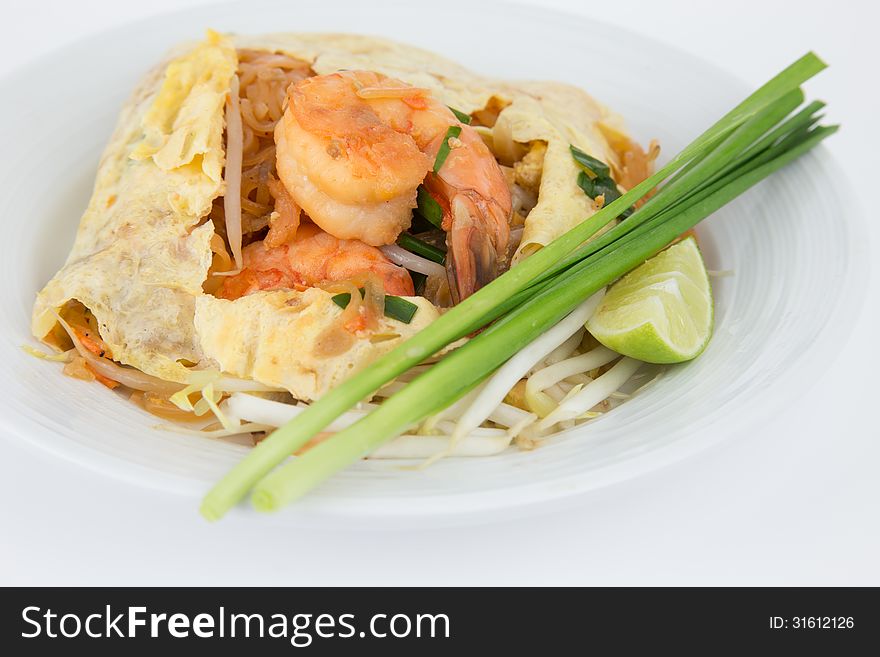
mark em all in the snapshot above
pixel 500 383
pixel 592 393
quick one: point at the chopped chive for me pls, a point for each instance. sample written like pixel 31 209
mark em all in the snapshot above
pixel 417 246
pixel 420 224
pixel 597 167
pixel 596 179
pixel 598 187
pixel 461 116
pixel 419 281
pixel 604 187
pixel 443 153
pixel 341 299
pixel 428 207
pixel 395 307
pixel 400 309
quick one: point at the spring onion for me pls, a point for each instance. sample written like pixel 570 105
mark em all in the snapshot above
pixel 604 187
pixel 428 208
pixel 395 307
pixel 461 116
pixel 598 168
pixel 419 280
pixel 452 133
pixel 419 247
pixel 596 179
pixel 527 300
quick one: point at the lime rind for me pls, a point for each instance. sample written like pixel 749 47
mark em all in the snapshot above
pixel 662 311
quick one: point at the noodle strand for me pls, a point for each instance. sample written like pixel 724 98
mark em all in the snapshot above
pixel 232 197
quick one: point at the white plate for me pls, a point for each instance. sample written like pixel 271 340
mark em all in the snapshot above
pixel 793 243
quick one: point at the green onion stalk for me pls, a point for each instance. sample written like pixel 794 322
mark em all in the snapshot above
pixel 749 143
pixel 422 248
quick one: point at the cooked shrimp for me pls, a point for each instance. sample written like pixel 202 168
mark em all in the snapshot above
pixel 352 149
pixel 311 259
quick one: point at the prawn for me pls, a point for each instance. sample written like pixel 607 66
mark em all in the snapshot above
pixel 354 146
pixel 312 258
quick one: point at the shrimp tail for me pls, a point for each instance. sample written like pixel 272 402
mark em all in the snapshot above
pixel 477 244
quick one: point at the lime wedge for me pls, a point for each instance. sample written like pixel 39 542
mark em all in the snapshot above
pixel 660 312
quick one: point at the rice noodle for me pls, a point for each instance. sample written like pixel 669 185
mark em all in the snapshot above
pixel 255 105
pixel 284 221
pixel 161 407
pixel 352 312
pixel 374 301
pixel 265 78
pixel 505 149
pixel 411 261
pixel 232 195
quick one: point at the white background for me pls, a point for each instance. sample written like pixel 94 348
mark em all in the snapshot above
pixel 794 503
